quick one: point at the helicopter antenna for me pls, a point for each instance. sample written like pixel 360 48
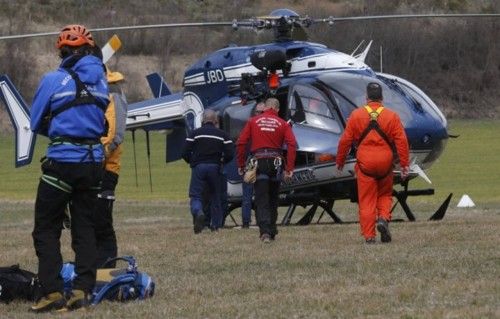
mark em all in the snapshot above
pixel 359 45
pixel 381 67
pixel 362 56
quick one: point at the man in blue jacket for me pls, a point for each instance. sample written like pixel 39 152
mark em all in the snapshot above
pixel 68 108
pixel 206 149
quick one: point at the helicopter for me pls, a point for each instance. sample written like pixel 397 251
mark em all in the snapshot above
pixel 317 87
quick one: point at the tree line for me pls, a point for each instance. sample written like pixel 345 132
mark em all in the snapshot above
pixel 456 61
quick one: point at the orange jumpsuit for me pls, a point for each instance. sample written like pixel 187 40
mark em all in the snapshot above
pixel 374 162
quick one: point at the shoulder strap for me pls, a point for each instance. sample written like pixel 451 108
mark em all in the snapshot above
pixel 82 97
pixel 373 125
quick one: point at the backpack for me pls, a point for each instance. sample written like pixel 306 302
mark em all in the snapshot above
pixel 115 284
pixel 17 283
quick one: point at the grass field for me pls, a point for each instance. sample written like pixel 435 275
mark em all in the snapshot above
pixel 446 269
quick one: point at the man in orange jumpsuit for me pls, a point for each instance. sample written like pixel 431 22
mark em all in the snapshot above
pixel 376 131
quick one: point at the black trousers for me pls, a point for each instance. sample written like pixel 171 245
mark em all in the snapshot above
pixel 103 218
pixel 266 190
pixel 61 183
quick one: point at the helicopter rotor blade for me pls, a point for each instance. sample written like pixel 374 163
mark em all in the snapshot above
pixel 263 23
pixel 131 27
pixel 331 20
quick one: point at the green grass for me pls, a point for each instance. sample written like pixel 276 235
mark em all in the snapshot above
pixel 469 165
pixel 170 181
pixel 430 270
pixel 446 269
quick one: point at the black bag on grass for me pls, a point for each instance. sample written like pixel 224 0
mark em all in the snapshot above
pixel 17 283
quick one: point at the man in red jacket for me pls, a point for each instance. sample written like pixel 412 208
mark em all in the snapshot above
pixel 376 131
pixel 267 133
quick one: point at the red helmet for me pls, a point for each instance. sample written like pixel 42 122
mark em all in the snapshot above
pixel 74 35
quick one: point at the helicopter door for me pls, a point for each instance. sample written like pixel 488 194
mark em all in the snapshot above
pixel 235 118
pixel 309 107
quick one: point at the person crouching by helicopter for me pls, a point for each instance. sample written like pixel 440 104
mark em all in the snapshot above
pixel 267 133
pixel 203 150
pixel 376 131
pixel 69 107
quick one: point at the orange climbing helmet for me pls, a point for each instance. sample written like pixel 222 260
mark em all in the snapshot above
pixel 74 35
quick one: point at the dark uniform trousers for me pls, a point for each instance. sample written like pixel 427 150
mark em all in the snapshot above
pixel 81 182
pixel 266 190
pixel 103 217
pixel 206 176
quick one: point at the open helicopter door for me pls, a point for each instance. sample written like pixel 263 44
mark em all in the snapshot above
pixel 233 120
pixel 317 128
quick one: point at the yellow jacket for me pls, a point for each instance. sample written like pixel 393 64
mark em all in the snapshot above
pixel 112 151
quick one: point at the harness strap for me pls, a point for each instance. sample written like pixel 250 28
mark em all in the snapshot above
pixel 68 140
pixel 267 153
pixel 57 183
pixel 82 97
pixel 373 125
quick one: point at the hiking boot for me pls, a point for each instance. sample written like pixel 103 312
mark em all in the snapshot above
pixel 78 300
pixel 53 301
pixel 383 228
pixel 370 241
pixel 199 223
pixel 266 239
pixel 245 226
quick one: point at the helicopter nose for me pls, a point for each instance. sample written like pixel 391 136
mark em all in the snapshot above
pixel 427 140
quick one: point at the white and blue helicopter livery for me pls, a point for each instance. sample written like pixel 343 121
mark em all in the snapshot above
pixel 318 89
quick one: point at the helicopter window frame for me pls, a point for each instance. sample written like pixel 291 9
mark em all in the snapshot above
pixel 305 97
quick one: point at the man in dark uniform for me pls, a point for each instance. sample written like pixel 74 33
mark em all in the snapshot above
pixel 69 108
pixel 267 133
pixel 206 150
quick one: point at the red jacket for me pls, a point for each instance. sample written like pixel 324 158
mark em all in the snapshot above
pixel 267 130
pixel 374 155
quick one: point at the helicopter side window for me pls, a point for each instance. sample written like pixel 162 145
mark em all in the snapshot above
pixel 308 106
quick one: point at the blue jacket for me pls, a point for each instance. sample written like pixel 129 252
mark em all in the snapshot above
pixel 208 144
pixel 80 122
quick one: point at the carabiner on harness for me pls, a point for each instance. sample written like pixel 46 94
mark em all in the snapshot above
pixel 278 161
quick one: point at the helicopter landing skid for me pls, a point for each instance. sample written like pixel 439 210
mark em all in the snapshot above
pixel 326 205
pixel 402 196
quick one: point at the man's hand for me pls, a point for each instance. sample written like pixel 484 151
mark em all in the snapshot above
pixel 338 170
pixel 288 175
pixel 405 171
pixel 241 171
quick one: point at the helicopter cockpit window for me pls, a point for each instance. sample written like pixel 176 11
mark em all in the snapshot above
pixel 353 88
pixel 308 106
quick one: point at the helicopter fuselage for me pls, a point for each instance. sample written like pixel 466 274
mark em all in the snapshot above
pixel 334 80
